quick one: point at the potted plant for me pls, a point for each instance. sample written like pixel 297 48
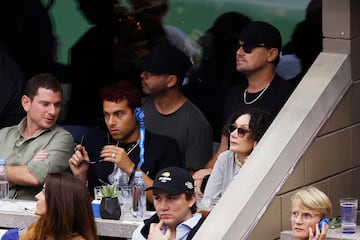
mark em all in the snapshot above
pixel 109 205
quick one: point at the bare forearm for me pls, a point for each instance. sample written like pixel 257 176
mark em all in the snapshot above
pixel 148 183
pixel 21 175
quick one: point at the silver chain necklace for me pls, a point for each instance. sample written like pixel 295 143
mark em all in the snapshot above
pixel 254 100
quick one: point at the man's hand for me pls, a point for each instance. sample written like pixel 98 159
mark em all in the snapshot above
pixel 117 155
pixel 78 162
pixel 155 232
pixel 41 155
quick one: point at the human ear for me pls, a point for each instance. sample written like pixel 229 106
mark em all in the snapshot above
pixel 273 53
pixel 172 81
pixel 25 102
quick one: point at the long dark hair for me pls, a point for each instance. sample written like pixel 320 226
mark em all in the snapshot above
pixel 69 211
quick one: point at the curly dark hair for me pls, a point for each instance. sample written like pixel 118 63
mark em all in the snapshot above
pixel 260 120
pixel 122 90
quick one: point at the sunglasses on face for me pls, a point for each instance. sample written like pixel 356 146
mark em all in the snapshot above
pixel 240 131
pixel 248 47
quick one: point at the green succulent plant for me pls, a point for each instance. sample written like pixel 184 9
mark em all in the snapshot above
pixel 109 191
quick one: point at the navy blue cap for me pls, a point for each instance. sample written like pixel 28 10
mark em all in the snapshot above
pixel 173 180
pixel 258 32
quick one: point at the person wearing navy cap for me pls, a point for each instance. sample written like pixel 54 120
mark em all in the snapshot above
pixel 175 204
pixel 168 111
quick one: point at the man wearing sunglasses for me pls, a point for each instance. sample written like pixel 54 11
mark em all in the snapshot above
pixel 257 56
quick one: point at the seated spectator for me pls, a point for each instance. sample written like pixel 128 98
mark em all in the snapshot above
pixel 64 210
pixel 12 84
pixel 245 130
pixel 308 207
pixel 305 45
pixel 263 89
pixel 36 146
pixel 168 111
pixel 120 158
pixel 175 205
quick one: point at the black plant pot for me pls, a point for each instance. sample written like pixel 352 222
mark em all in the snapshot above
pixel 110 208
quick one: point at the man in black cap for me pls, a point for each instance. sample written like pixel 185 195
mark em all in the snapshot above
pixel 175 204
pixel 168 111
pixel 257 56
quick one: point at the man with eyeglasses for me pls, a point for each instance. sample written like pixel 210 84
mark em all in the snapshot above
pixel 310 213
pixel 257 56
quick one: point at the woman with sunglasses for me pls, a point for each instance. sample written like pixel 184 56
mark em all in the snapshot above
pixel 244 130
pixel 308 207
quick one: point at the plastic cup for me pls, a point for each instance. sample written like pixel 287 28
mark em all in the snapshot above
pixel 348 208
pixel 125 197
pixel 204 206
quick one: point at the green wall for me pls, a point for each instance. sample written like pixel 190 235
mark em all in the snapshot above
pixel 193 16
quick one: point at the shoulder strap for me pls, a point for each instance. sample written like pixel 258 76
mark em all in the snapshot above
pixel 195 228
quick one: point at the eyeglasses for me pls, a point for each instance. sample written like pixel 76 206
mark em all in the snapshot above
pixel 306 217
pixel 248 47
pixel 240 131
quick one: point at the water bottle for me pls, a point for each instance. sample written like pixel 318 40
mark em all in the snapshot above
pixel 139 196
pixel 4 181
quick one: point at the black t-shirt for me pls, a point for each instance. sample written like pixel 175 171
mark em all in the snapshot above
pixel 272 99
pixel 160 152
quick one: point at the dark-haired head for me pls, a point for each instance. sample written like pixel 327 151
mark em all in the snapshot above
pixel 122 90
pixel 260 120
pixel 41 80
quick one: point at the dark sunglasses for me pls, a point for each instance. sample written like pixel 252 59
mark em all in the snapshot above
pixel 248 47
pixel 240 131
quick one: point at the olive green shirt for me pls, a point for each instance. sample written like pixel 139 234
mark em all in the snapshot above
pixel 17 151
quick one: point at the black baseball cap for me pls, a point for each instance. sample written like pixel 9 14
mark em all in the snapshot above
pixel 164 58
pixel 173 180
pixel 259 32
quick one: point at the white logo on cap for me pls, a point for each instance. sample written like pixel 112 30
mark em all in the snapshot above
pixel 189 185
pixel 165 177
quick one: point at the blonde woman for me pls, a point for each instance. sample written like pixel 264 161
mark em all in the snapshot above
pixel 308 207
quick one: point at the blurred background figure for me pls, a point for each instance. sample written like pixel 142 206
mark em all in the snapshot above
pixel 305 45
pixel 12 84
pixel 91 62
pixel 157 10
pixel 26 32
pixel 209 80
